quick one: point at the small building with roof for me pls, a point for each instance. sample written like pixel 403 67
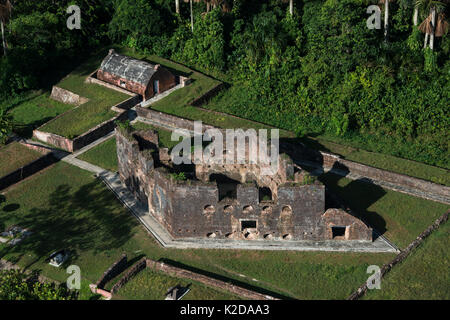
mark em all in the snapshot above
pixel 135 75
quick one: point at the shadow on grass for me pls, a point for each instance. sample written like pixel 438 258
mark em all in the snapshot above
pixel 358 195
pixel 86 219
pixel 225 279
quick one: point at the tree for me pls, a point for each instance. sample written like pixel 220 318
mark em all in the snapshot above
pixel 386 17
pixel 16 285
pixel 5 15
pixel 177 6
pixel 430 26
pixel 291 6
pixel 6 125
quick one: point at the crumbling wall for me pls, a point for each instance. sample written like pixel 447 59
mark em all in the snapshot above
pixel 67 97
pixel 134 166
pixel 355 229
pixel 134 270
pixel 208 281
pixel 115 269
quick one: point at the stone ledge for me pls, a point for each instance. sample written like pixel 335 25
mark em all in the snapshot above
pixel 67 97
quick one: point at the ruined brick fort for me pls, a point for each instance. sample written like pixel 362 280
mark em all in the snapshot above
pixel 230 201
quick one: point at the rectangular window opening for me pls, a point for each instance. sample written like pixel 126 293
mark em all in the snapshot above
pixel 248 224
pixel 338 232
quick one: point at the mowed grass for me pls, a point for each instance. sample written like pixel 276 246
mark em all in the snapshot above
pixel 14 156
pixel 423 275
pixel 33 110
pixel 399 217
pixel 232 96
pixel 98 109
pixel 165 136
pixel 67 207
pixel 383 161
pixel 103 155
pixel 153 285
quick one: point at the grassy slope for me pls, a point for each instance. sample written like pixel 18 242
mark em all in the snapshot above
pixel 383 161
pixel 66 207
pixel 14 156
pixel 33 110
pixel 103 155
pixel 400 217
pixel 153 285
pixel 165 136
pixel 92 113
pixel 424 274
pixel 177 106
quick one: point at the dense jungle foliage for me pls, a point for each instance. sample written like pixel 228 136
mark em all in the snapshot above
pixel 318 71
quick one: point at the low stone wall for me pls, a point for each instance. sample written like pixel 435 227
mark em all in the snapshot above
pixel 167 119
pixel 182 273
pixel 86 138
pixel 134 270
pixel 115 269
pixel 27 170
pixel 328 161
pixel 361 291
pixel 208 95
pixel 127 104
pixel 144 263
pixel 97 132
pixel 67 97
pixel 54 140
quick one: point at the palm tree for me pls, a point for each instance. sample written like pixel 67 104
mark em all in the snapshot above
pixel 5 15
pixel 386 17
pixel 291 6
pixel 430 26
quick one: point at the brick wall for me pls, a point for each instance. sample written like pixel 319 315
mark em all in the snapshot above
pixel 115 269
pixel 182 273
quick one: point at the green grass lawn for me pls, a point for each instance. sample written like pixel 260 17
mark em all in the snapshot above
pixel 103 155
pixel 165 136
pixel 383 161
pixel 95 111
pixel 14 156
pixel 67 207
pixel 400 217
pixel 33 110
pixel 153 285
pixel 321 142
pixel 423 275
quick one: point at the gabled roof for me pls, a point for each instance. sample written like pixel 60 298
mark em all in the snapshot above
pixel 128 68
